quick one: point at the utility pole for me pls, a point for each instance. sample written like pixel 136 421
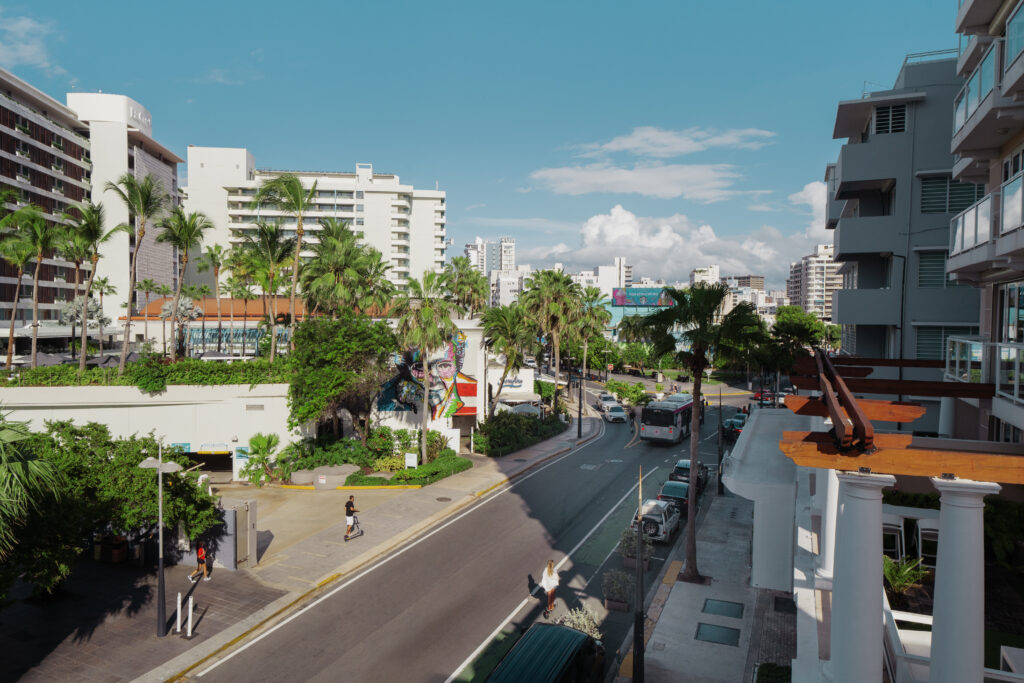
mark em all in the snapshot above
pixel 579 412
pixel 721 486
pixel 638 614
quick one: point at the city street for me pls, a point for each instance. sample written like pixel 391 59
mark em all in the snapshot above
pixel 433 604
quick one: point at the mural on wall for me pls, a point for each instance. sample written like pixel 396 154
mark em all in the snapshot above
pixel 450 392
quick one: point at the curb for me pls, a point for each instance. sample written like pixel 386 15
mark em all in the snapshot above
pixel 365 488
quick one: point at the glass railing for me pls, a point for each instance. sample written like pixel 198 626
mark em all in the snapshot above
pixel 972 226
pixel 1008 361
pixel 1014 37
pixel 1011 213
pixel 978 86
pixel 968 359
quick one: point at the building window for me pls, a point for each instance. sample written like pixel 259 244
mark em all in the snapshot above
pixel 940 194
pixel 359 207
pixel 931 340
pixel 891 119
pixel 931 270
pixel 359 221
pixel 359 194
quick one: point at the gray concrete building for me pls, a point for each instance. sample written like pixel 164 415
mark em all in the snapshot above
pixel 890 195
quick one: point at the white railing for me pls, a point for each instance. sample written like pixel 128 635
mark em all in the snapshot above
pixel 972 226
pixel 1008 362
pixel 1011 215
pixel 980 84
pixel 969 359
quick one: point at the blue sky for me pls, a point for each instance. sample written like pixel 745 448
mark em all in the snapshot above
pixel 676 134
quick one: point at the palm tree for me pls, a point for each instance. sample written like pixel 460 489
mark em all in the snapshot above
pixel 466 284
pixel 145 200
pixel 165 292
pixel 74 248
pixel 184 232
pixel 88 226
pixel 552 302
pixel 214 259
pixel 594 316
pixel 17 251
pixel 425 322
pixel 44 237
pixel 344 275
pixel 242 290
pixel 270 251
pixel 102 287
pixel 147 287
pixel 24 479
pixel 227 288
pixel 286 193
pixel 507 333
pixel 702 332
pixel 202 291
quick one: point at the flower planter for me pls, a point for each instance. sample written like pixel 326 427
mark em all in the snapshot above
pixel 616 605
pixel 630 563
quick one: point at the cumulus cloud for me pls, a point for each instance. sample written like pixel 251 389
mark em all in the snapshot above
pixel 670 247
pixel 547 225
pixel 650 141
pixel 23 43
pixel 698 182
pixel 813 196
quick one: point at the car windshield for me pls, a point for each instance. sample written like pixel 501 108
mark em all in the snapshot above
pixel 616 409
pixel 659 417
pixel 675 488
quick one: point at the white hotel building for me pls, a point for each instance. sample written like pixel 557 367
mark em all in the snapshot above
pixel 406 225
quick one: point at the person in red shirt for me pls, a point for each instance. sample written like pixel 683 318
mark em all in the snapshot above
pixel 202 568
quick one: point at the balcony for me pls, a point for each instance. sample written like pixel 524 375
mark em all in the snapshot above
pixel 972 49
pixel 867 235
pixel 972 238
pixel 1013 76
pixel 1008 358
pixel 969 359
pixel 865 307
pixel 981 112
pixel 974 16
pixel 868 166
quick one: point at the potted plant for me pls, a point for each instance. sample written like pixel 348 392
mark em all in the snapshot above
pixel 615 585
pixel 627 548
pixel 900 577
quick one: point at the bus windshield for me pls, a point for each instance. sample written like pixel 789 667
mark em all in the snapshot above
pixel 658 417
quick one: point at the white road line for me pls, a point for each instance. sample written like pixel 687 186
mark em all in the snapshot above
pixel 485 501
pixel 513 613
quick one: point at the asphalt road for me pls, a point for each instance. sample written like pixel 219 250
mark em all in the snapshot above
pixel 419 613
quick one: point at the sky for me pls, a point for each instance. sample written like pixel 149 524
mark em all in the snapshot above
pixel 677 134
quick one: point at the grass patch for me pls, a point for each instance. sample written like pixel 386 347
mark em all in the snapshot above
pixel 444 466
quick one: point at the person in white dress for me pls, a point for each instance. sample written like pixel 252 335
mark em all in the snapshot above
pixel 549 582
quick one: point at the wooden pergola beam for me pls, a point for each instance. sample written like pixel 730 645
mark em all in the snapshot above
pixel 807 366
pixel 879 411
pixel 895 455
pixel 888 362
pixel 905 387
pixel 841 422
pixel 862 427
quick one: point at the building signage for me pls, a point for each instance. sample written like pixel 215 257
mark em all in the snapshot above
pixel 640 296
pixel 186 447
pixel 512 383
pixel 138 116
pixel 242 453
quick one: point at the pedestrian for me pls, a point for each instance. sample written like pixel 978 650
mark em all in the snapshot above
pixel 350 512
pixel 549 582
pixel 201 567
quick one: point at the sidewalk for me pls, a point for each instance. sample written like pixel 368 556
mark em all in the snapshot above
pixel 103 625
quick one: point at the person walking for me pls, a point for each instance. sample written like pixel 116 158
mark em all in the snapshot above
pixel 201 567
pixel 549 582
pixel 350 512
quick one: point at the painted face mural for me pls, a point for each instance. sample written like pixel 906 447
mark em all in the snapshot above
pixel 446 385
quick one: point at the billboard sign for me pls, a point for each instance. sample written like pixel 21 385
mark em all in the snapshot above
pixel 640 296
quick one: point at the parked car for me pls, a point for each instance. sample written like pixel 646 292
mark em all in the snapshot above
pixel 733 427
pixel 550 653
pixel 763 393
pixel 678 494
pixel 660 520
pixel 605 401
pixel 681 472
pixel 615 413
pixel 635 372
pixel 530 362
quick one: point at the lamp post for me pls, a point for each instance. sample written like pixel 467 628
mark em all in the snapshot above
pixel 160 466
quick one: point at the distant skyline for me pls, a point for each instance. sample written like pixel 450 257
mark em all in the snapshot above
pixel 674 134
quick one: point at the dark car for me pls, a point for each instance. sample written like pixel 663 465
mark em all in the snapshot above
pixel 681 472
pixel 548 653
pixel 676 493
pixel 733 427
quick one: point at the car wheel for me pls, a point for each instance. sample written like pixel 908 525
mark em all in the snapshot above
pixel 650 528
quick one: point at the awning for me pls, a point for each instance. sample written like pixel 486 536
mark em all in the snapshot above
pixel 214 449
pixel 517 397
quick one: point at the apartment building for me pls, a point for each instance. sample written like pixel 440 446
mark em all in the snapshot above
pixel 813 280
pixel 121 133
pixel 606 278
pixel 745 282
pixel 45 159
pixel 488 255
pixel 709 274
pixel 507 285
pixel 406 225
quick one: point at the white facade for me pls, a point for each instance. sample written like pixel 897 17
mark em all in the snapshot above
pixel 406 225
pixel 121 132
pixel 490 255
pixel 708 274
pixel 507 285
pixel 812 281
pixel 606 278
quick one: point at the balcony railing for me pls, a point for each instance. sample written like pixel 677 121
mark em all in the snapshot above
pixel 1008 362
pixel 972 226
pixel 969 359
pixel 978 87
pixel 1012 211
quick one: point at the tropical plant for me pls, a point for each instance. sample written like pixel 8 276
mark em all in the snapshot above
pixel 506 333
pixel 102 287
pixel 44 237
pixel 592 317
pixel 286 193
pixel 184 232
pixel 902 575
pixel 552 302
pixel 467 285
pixel 145 200
pixel 23 480
pixel 17 251
pixel 697 313
pixel 343 275
pixel 581 619
pixel 262 454
pixel 201 293
pixel 269 251
pixel 425 323
pixel 214 258
pixel 147 287
pixel 73 247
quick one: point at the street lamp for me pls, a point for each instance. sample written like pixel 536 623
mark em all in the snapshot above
pixel 160 466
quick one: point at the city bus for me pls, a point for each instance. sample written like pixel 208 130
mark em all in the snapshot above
pixel 666 421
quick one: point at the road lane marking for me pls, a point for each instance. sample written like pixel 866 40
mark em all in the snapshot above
pixel 384 561
pixel 511 616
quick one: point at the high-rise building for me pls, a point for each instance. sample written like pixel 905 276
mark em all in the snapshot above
pixel 490 255
pixel 44 159
pixel 708 274
pixel 745 281
pixel 406 225
pixel 121 133
pixel 812 281
pixel 507 285
pixel 606 278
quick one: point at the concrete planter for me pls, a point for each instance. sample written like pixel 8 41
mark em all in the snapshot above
pixel 616 605
pixel 630 563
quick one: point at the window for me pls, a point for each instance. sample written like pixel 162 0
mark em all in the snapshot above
pixel 891 119
pixel 931 270
pixel 359 221
pixel 359 194
pixel 940 194
pixel 1014 37
pixel 359 207
pixel 931 340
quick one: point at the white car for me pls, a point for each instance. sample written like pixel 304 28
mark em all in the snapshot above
pixel 605 401
pixel 660 520
pixel 530 363
pixel 615 413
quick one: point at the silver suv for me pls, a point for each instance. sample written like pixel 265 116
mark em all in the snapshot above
pixel 660 520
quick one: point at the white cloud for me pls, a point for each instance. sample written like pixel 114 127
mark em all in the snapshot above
pixel 471 207
pixel 698 182
pixel 23 43
pixel 764 207
pixel 650 141
pixel 542 224
pixel 218 76
pixel 814 196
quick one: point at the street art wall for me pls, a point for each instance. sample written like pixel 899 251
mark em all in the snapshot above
pixel 451 391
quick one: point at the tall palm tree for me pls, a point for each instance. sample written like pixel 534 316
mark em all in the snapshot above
pixel 165 292
pixel 344 275
pixel 286 193
pixel 506 332
pixel 147 287
pixel 552 302
pixel 17 251
pixel 425 322
pixel 467 285
pixel 74 248
pixel 44 237
pixel 594 316
pixel 270 251
pixel 145 200
pixel 227 288
pixel 102 287
pixel 184 231
pixel 24 479
pixel 243 290
pixel 214 258
pixel 202 292
pixel 88 225
pixel 693 324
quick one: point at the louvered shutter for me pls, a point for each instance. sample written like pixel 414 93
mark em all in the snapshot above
pixel 934 193
pixel 881 120
pixel 931 271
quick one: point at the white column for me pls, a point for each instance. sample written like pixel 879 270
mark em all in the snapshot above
pixel 856 637
pixel 958 623
pixel 827 540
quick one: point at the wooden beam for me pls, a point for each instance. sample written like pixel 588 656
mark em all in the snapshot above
pixel 880 411
pixel 808 367
pixel 842 424
pixel 862 427
pixel 906 388
pixel 894 455
pixel 888 362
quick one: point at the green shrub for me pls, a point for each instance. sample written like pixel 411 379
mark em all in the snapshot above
pixel 545 389
pixel 446 465
pixel 508 432
pixel 616 585
pixel 581 619
pixel 389 463
pixel 309 454
pixel 436 442
pixel 627 544
pixel 149 375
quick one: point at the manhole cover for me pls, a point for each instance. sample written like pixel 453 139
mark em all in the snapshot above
pixel 785 605
pixel 444 499
pixel 723 635
pixel 519 460
pixel 725 608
